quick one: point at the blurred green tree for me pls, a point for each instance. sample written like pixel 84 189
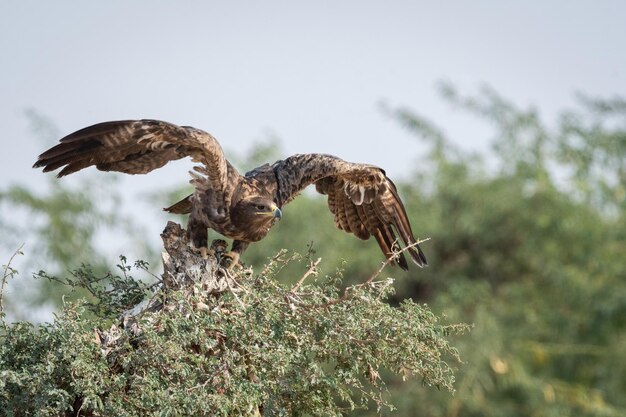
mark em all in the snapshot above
pixel 61 223
pixel 532 253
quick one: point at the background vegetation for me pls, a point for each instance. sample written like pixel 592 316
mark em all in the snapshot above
pixel 528 244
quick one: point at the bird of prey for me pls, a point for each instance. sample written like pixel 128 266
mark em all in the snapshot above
pixel 242 207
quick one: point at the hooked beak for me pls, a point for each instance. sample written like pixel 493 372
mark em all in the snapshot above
pixel 277 213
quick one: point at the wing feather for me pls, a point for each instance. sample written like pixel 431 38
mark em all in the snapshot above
pixel 363 200
pixel 354 221
pixel 137 147
pixel 340 212
pixel 384 233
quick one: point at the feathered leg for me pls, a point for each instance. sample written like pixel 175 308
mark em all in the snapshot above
pixel 197 233
pixel 198 236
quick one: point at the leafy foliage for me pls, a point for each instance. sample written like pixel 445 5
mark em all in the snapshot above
pixel 287 350
pixel 112 294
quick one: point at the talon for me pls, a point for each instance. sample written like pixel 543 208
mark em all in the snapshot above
pixel 206 253
pixel 203 251
pixel 230 259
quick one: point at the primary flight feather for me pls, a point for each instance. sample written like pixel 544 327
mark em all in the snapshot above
pixel 242 207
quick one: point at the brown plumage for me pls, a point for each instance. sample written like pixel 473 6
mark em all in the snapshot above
pixel 242 207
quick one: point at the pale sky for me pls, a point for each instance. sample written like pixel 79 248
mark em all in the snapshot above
pixel 311 72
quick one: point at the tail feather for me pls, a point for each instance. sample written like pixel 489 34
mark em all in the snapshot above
pixel 182 207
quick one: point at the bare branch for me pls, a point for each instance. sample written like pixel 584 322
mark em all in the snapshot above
pixel 346 292
pixel 228 277
pixel 275 258
pixel 311 271
pixel 8 273
pixel 393 257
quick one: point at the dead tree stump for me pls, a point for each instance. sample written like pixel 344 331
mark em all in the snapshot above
pixel 185 269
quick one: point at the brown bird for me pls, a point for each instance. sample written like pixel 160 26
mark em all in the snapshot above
pixel 242 207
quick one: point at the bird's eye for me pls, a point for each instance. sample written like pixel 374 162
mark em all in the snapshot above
pixel 260 207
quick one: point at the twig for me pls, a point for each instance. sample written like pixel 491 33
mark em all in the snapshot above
pixel 311 271
pixel 393 257
pixel 8 272
pixel 228 277
pixel 275 258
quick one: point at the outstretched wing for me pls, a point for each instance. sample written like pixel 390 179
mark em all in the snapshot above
pixel 137 147
pixel 364 201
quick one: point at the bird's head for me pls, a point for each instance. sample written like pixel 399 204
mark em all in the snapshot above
pixel 267 208
pixel 256 210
